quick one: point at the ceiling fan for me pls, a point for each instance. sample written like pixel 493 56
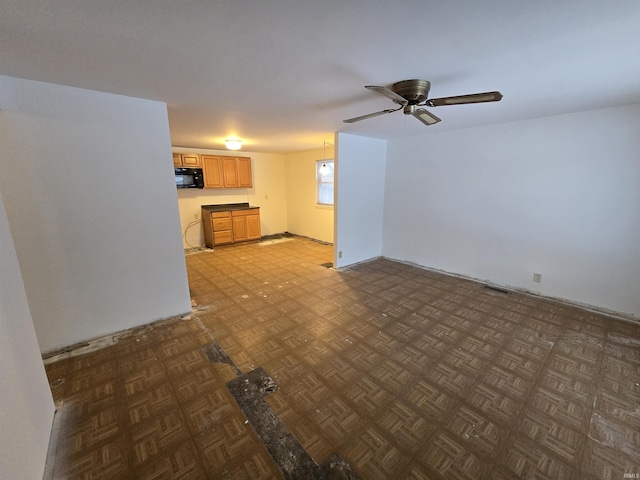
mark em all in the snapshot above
pixel 410 94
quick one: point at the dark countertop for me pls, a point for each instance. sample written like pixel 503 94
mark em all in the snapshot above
pixel 227 207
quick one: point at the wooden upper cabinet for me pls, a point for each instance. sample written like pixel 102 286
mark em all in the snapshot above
pixel 219 171
pixel 212 168
pixel 244 172
pixel 191 160
pixel 187 160
pixel 230 172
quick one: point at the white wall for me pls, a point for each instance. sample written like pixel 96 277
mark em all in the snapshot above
pixel 304 215
pixel 90 196
pixel 360 193
pixel 559 196
pixel 269 192
pixel 26 405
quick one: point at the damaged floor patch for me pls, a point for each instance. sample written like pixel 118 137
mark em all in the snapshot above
pixel 249 391
pixel 216 354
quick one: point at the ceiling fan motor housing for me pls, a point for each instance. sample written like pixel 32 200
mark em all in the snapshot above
pixel 413 91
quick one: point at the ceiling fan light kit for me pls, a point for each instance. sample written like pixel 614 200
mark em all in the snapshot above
pixel 410 94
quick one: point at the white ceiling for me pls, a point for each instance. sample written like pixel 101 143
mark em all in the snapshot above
pixel 283 74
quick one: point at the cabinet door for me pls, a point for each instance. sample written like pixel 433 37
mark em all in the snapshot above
pixel 253 227
pixel 244 172
pixel 230 172
pixel 212 170
pixel 177 160
pixel 239 229
pixel 191 160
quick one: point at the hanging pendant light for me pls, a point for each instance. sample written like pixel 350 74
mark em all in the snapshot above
pixel 324 169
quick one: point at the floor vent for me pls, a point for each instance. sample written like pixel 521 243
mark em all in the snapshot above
pixel 497 289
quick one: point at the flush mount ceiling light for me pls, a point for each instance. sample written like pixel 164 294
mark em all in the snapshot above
pixel 233 144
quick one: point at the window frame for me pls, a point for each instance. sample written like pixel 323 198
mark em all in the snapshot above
pixel 320 182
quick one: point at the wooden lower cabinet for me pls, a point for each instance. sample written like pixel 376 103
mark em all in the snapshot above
pixel 222 232
pixel 240 229
pixel 217 228
pixel 231 226
pixel 246 225
pixel 253 226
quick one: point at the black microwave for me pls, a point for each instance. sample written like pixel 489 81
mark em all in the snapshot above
pixel 189 178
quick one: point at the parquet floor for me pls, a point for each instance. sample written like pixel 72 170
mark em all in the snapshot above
pixel 403 372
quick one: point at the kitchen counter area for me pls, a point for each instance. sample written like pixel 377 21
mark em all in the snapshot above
pixel 230 223
pixel 227 207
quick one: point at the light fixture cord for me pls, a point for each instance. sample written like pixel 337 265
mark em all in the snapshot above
pixel 324 153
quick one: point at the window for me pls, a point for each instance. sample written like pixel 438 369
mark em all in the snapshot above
pixel 324 179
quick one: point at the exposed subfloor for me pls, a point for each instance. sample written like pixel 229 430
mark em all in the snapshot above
pixel 397 371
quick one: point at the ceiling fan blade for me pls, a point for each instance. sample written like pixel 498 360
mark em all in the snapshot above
pixel 462 99
pixel 370 115
pixel 425 117
pixel 388 93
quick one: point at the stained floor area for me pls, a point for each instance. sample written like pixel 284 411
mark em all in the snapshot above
pixel 402 372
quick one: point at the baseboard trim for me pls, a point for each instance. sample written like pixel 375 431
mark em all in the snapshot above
pixel 626 317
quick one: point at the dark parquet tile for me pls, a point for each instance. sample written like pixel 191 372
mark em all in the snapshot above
pixel 403 372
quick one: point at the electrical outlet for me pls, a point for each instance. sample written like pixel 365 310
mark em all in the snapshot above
pixel 340 254
pixel 537 277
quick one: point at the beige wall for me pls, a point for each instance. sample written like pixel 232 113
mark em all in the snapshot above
pixel 284 187
pixel 304 215
pixel 268 193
